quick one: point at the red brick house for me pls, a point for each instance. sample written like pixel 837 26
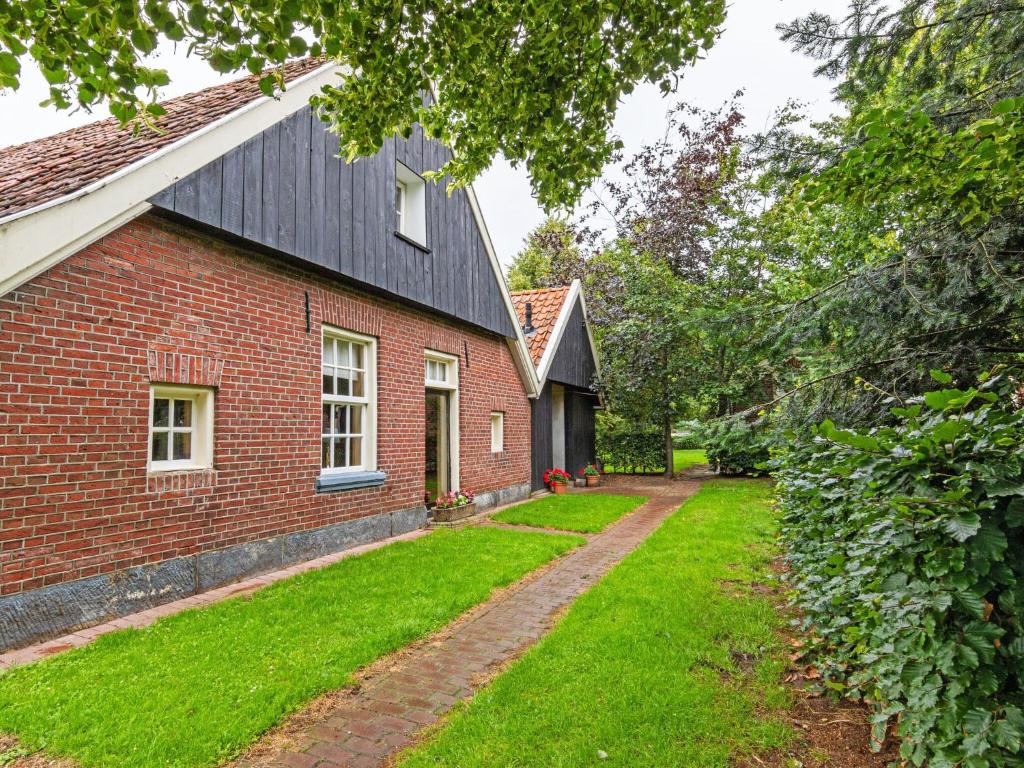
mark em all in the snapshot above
pixel 223 350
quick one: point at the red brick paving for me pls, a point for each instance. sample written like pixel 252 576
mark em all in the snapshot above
pixel 385 714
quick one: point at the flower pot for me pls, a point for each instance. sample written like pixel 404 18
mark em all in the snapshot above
pixel 558 487
pixel 593 480
pixel 451 514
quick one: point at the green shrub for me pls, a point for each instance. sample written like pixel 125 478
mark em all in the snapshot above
pixel 734 447
pixel 688 442
pixel 626 448
pixel 907 551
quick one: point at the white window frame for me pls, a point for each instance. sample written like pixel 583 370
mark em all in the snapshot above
pixel 412 222
pixel 202 399
pixel 451 384
pixel 401 198
pixel 368 400
pixel 497 431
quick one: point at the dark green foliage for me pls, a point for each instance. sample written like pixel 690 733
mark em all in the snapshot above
pixel 539 82
pixel 907 549
pixel 687 442
pixel 629 448
pixel 735 447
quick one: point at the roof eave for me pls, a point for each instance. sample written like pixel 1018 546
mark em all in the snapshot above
pixel 37 238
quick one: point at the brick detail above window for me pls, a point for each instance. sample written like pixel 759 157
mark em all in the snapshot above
pixel 350 314
pixel 445 340
pixel 180 368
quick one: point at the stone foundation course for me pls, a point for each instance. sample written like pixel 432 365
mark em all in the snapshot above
pixel 40 614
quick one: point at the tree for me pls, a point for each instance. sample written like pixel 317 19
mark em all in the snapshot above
pixel 649 348
pixel 905 218
pixel 539 82
pixel 551 257
pixel 694 201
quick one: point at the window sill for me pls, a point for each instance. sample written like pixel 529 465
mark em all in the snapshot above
pixel 413 243
pixel 178 469
pixel 348 481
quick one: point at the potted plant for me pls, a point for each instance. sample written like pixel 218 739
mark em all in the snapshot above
pixel 454 505
pixel 557 480
pixel 592 474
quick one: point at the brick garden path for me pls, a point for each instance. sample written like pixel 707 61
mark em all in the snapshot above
pixel 385 713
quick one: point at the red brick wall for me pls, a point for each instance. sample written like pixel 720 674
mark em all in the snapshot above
pixel 153 301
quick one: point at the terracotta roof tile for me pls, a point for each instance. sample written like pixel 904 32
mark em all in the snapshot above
pixel 49 168
pixel 547 304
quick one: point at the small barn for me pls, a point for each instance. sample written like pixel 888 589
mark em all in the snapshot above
pixel 561 344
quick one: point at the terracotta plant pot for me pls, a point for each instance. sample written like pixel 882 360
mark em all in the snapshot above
pixel 452 514
pixel 558 487
pixel 593 480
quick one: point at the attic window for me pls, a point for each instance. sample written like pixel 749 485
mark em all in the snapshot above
pixel 410 205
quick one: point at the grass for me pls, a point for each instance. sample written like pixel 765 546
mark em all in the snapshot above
pixel 196 688
pixel 583 513
pixel 641 669
pixel 688 457
pixel 682 458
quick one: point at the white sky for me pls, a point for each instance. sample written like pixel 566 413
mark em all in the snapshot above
pixel 748 56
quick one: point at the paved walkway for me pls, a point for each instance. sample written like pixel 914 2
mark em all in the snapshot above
pixel 363 728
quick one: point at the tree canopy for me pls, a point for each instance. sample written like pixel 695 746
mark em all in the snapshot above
pixel 538 82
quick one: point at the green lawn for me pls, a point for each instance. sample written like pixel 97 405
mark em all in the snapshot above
pixel 642 669
pixel 683 459
pixel 194 689
pixel 686 458
pixel 585 513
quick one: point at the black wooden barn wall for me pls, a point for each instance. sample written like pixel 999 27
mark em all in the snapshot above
pixel 574 360
pixel 541 445
pixel 579 432
pixel 287 190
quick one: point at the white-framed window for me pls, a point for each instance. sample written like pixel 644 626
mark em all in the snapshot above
pixel 497 432
pixel 410 204
pixel 349 400
pixel 401 192
pixel 437 372
pixel 180 427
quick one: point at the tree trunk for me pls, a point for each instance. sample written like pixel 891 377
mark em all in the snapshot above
pixel 670 464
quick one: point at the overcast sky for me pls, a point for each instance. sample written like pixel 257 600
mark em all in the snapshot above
pixel 748 56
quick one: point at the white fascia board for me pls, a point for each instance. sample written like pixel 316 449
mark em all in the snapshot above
pixel 561 323
pixel 548 356
pixel 36 239
pixel 520 351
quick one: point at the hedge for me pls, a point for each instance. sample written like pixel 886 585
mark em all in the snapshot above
pixel 907 550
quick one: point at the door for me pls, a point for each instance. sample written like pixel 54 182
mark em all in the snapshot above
pixel 558 427
pixel 437 468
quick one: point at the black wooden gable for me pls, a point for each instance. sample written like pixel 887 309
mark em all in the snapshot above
pixel 287 190
pixel 573 362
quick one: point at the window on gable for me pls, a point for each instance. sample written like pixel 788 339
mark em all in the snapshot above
pixel 347 437
pixel 180 428
pixel 410 205
pixel 497 432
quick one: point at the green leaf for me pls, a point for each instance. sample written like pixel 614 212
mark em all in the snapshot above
pixel 962 526
pixel 941 376
pixel 1015 512
pixel 9 64
pixel 989 541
